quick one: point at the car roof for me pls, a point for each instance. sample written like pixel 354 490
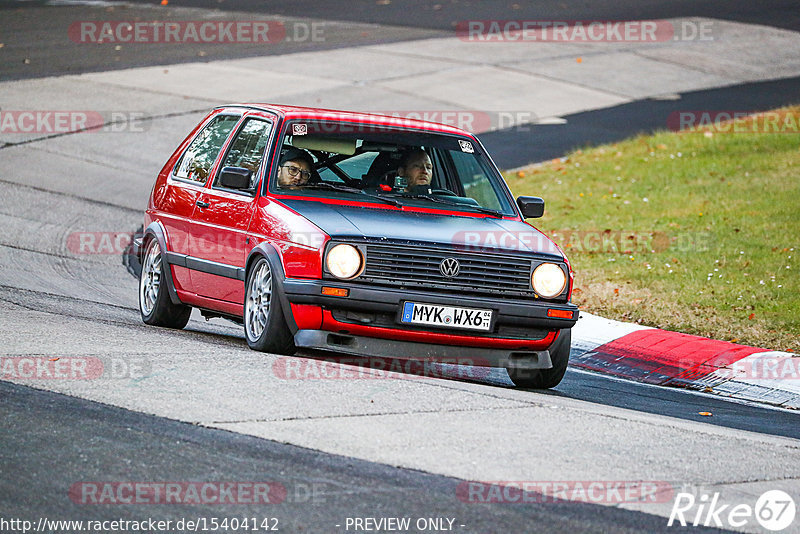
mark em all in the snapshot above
pixel 299 112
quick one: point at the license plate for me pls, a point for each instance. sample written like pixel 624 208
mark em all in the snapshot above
pixel 446 316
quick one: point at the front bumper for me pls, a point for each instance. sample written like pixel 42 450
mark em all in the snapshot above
pixel 426 352
pixel 385 302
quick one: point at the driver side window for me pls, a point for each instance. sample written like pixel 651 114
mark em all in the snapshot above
pixel 247 148
pixel 474 180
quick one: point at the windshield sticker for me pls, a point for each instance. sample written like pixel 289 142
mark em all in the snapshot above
pixel 466 146
pixel 300 129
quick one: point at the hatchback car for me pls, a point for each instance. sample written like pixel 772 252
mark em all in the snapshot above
pixel 364 234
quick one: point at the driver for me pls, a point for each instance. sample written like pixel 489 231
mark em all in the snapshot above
pixel 294 168
pixel 417 169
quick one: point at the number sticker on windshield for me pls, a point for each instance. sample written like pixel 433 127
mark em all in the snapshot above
pixel 466 146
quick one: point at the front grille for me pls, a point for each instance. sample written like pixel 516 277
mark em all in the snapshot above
pixel 418 268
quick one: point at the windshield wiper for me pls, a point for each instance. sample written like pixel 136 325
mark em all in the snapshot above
pixel 348 189
pixel 441 200
pixel 489 211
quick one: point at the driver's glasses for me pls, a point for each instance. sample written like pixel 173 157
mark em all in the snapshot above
pixel 293 171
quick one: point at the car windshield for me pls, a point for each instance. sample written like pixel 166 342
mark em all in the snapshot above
pixel 375 163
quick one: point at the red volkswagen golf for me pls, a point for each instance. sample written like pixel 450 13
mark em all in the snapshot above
pixel 363 234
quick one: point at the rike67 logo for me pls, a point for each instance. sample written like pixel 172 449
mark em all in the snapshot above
pixel 774 510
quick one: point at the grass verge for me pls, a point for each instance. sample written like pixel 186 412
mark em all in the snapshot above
pixel 695 231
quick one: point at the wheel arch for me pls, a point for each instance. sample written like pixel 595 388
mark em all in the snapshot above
pixel 156 231
pixel 268 251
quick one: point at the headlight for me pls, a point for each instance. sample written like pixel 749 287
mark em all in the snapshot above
pixel 548 280
pixel 344 261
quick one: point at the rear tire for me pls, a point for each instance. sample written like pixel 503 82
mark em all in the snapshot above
pixel 155 305
pixel 546 378
pixel 264 324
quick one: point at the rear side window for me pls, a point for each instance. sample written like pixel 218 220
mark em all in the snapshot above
pixel 196 162
pixel 354 167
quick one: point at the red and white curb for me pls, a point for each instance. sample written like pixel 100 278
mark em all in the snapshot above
pixel 660 357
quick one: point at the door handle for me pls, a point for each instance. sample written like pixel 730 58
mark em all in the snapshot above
pixel 202 204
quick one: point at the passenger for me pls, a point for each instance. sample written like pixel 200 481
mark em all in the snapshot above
pixel 417 170
pixel 294 168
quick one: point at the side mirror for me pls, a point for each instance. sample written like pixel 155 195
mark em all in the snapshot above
pixel 235 177
pixel 531 207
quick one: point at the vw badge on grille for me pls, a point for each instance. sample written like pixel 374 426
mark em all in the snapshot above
pixel 449 267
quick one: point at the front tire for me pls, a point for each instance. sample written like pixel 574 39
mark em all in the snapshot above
pixel 264 324
pixel 546 378
pixel 155 305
